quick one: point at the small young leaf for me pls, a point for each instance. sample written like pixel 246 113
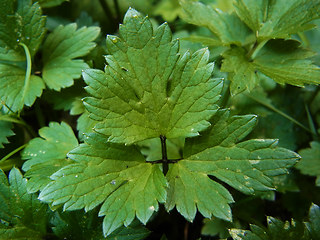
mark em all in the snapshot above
pixel 47 154
pixel 60 48
pixel 19 210
pixel 147 90
pixel 310 162
pixel 127 186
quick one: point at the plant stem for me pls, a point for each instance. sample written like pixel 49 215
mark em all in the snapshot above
pixel 28 74
pixel 20 121
pixel 108 13
pixel 255 49
pixel 116 5
pixel 164 154
pixel 13 152
pixel 279 112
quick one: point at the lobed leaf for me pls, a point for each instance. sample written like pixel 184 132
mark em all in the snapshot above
pixel 5 131
pixel 309 163
pixel 277 19
pixel 146 89
pixel 60 48
pixel 111 174
pixel 47 154
pixel 18 209
pixel 20 22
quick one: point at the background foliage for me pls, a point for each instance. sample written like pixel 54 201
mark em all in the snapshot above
pixel 227 87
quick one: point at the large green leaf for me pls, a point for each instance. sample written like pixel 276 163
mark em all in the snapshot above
pixel 47 154
pixel 20 22
pixel 246 166
pixel 111 174
pixel 277 19
pixel 59 50
pixel 227 27
pixel 22 215
pixel 147 90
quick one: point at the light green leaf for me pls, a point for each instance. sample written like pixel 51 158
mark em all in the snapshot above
pixel 60 48
pixel 246 166
pixel 47 154
pixel 14 92
pixel 20 22
pixel 127 186
pixel 22 215
pixel 277 19
pixel 147 90
pixel 168 9
pixel 227 27
pixel 310 162
pixel 282 60
pixel 276 230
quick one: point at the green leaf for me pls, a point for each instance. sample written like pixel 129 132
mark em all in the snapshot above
pixel 127 186
pixel 59 50
pixel 15 91
pixel 140 97
pixel 313 224
pixel 50 3
pixel 227 27
pixel 282 60
pixel 20 22
pixel 47 154
pixel 5 131
pixel 168 9
pixel 310 162
pixel 22 215
pixel 85 124
pixel 246 166
pixel 80 225
pixel 277 19
pixel 276 230
pixel 215 227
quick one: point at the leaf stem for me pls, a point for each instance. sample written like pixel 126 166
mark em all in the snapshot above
pixel 108 13
pixel 13 152
pixel 255 49
pixel 28 74
pixel 164 154
pixel 279 112
pixel 18 121
pixel 116 5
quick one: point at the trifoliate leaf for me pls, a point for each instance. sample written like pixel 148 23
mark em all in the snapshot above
pixel 277 19
pixel 246 166
pixel 20 22
pixel 15 91
pixel 227 27
pixel 276 230
pixel 313 224
pixel 22 215
pixel 60 48
pixel 147 90
pixel 111 174
pixel 282 60
pixel 5 131
pixel 47 154
pixel 310 162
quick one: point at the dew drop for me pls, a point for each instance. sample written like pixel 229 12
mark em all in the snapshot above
pixel 113 182
pixel 76 176
pixel 151 208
